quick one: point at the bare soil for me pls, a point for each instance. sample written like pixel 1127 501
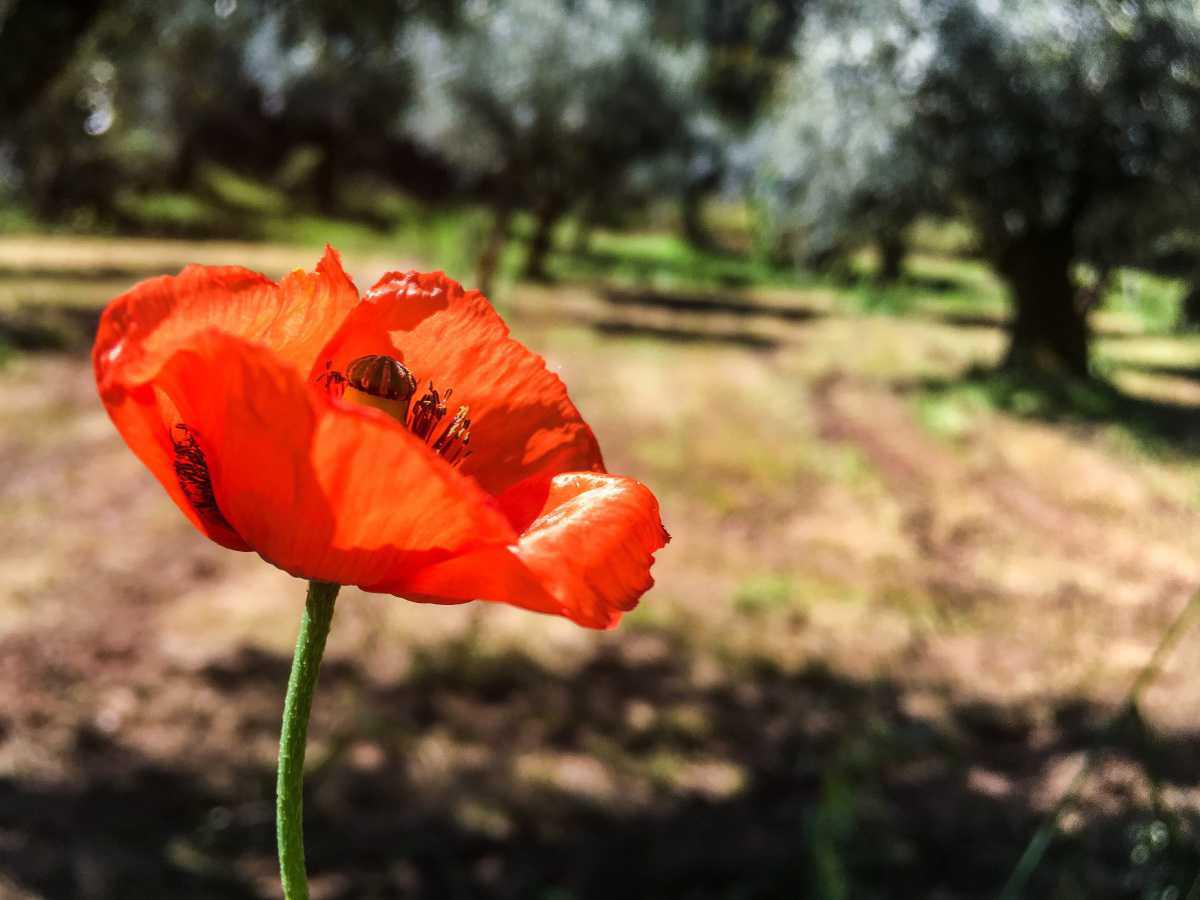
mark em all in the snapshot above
pixel 879 650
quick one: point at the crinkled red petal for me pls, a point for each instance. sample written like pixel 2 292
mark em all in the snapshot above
pixel 322 490
pixel 523 424
pixel 586 556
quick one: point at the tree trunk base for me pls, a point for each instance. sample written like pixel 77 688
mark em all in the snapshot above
pixel 543 242
pixel 489 258
pixel 1049 330
pixel 892 251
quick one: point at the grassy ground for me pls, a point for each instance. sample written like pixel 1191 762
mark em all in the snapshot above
pixel 903 604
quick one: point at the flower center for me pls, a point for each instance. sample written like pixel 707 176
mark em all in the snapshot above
pixel 385 383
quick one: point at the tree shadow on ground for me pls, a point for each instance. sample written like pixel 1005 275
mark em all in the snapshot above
pixel 728 270
pixel 962 319
pixel 1000 321
pixel 932 284
pixel 122 829
pixel 1191 373
pixel 486 774
pixel 707 303
pixel 81 273
pixel 45 327
pixel 1160 425
pixel 49 327
pixel 680 335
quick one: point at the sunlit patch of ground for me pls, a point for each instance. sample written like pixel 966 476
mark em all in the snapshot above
pixel 889 627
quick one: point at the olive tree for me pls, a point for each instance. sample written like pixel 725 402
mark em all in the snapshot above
pixel 547 103
pixel 1051 125
pixel 838 162
pixel 134 103
pixel 140 94
pixel 746 44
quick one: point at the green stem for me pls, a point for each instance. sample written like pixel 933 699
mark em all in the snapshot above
pixel 289 790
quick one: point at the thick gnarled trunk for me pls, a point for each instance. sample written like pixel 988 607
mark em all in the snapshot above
pixel 1049 330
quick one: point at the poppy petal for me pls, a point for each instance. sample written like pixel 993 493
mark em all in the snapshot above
pixel 148 430
pixel 141 328
pixel 320 489
pixel 523 424
pixel 587 555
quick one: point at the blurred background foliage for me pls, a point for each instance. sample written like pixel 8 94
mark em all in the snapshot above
pixel 1062 133
pixel 895 306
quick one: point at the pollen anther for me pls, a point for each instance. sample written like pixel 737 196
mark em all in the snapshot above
pixel 452 445
pixel 428 412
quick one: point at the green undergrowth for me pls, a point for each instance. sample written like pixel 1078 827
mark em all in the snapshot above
pixel 943 277
pixel 952 408
pixel 666 261
pixel 1153 301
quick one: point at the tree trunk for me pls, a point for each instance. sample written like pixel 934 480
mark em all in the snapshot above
pixel 489 259
pixel 892 250
pixel 585 224
pixel 1049 331
pixel 326 176
pixel 1189 313
pixel 692 213
pixel 1189 310
pixel 543 239
pixel 183 173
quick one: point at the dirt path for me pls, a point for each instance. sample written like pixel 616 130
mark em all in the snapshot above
pixel 874 654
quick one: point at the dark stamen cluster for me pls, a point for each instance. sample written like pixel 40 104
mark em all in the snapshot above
pixel 191 468
pixel 387 378
pixel 428 412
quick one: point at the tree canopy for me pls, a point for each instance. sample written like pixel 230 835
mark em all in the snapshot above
pixel 1049 124
pixel 549 104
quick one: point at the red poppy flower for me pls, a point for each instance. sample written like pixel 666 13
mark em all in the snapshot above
pixel 403 443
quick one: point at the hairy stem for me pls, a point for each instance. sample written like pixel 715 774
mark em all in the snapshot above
pixel 289 791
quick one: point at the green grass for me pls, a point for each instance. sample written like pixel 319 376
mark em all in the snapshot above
pixel 175 214
pixel 765 593
pixel 666 261
pixel 380 219
pixel 241 193
pixel 315 230
pixel 1022 395
pixel 942 237
pixel 953 408
pixel 1153 300
pixel 13 217
pixel 942 277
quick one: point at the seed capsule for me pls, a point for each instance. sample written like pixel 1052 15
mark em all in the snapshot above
pixel 381 376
